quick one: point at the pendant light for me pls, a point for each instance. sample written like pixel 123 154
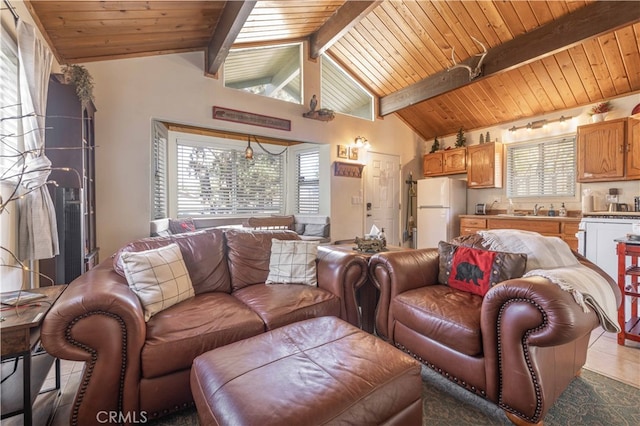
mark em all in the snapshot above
pixel 248 152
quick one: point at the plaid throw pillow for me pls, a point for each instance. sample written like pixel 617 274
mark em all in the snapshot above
pixel 293 262
pixel 158 277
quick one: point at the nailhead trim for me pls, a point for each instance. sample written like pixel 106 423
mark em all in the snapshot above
pixel 439 370
pixel 94 356
pixel 166 411
pixel 527 357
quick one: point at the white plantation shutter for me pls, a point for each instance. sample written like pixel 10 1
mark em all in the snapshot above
pixel 542 169
pixel 10 107
pixel 308 182
pixel 218 180
pixel 160 136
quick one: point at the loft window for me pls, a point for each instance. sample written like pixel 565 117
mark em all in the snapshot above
pixel 275 72
pixel 342 93
pixel 545 168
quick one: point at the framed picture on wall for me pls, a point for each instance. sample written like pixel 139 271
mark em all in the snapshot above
pixel 353 153
pixel 342 151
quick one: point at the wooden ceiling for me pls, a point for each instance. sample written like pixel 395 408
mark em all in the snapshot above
pixel 542 56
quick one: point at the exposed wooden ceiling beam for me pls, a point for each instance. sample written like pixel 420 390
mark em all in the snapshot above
pixel 345 18
pixel 231 21
pixel 588 22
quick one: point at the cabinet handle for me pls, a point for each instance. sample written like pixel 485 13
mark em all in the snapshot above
pixel 628 147
pixel 621 149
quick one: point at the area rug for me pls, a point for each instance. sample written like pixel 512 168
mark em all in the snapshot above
pixel 591 399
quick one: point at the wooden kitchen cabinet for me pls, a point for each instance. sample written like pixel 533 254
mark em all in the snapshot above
pixel 633 147
pixel 449 162
pixel 609 151
pixel 484 165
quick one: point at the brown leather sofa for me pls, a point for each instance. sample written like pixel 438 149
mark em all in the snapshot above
pixel 520 346
pixel 141 370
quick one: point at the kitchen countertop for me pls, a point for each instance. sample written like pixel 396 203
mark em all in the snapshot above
pixel 518 217
pixel 607 213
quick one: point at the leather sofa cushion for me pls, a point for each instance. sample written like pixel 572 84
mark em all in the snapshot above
pixel 283 304
pixel 444 314
pixel 180 333
pixel 203 253
pixel 249 253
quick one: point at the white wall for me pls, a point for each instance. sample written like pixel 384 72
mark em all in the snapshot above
pixel 130 93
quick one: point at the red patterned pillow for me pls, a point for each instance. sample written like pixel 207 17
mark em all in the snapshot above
pixel 475 270
pixel 180 226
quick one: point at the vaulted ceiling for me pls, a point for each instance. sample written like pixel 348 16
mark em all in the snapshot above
pixel 541 56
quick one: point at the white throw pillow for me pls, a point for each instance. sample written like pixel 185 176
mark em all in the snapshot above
pixel 158 277
pixel 293 262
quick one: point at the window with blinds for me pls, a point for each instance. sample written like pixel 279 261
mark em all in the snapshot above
pixel 218 180
pixel 545 168
pixel 9 109
pixel 308 182
pixel 340 92
pixel 160 137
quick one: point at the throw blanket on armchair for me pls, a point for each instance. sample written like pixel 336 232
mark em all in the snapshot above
pixel 551 258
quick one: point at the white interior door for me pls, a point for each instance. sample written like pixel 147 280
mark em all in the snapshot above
pixel 382 195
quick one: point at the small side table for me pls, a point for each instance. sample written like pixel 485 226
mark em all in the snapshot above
pixel 20 335
pixel 628 249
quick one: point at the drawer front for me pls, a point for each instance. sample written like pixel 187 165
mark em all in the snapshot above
pixel 542 227
pixel 466 230
pixel 472 222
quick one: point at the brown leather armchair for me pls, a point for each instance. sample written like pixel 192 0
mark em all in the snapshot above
pixel 520 346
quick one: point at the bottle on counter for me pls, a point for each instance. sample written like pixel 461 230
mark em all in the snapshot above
pixel 510 208
pixel 552 211
pixel 563 211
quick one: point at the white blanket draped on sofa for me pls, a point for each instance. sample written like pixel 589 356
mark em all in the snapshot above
pixel 551 258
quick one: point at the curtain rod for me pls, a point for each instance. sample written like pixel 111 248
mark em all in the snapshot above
pixel 12 10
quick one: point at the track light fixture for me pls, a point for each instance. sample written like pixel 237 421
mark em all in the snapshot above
pixel 538 124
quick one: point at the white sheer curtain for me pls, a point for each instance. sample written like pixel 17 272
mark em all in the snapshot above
pixel 38 233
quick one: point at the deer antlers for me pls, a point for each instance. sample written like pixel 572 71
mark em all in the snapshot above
pixel 473 73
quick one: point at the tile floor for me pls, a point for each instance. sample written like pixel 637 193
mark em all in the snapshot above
pixel 605 356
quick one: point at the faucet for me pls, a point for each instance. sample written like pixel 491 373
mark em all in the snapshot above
pixel 536 209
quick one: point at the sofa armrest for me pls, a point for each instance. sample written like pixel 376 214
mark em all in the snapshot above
pixel 526 324
pixel 100 321
pixel 342 274
pixel 396 272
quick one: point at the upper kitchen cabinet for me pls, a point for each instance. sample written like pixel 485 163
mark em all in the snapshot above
pixel 604 149
pixel 633 147
pixel 448 162
pixel 484 165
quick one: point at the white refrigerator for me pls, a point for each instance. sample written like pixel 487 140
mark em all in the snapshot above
pixel 440 202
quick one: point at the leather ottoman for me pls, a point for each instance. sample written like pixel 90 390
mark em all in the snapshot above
pixel 315 372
